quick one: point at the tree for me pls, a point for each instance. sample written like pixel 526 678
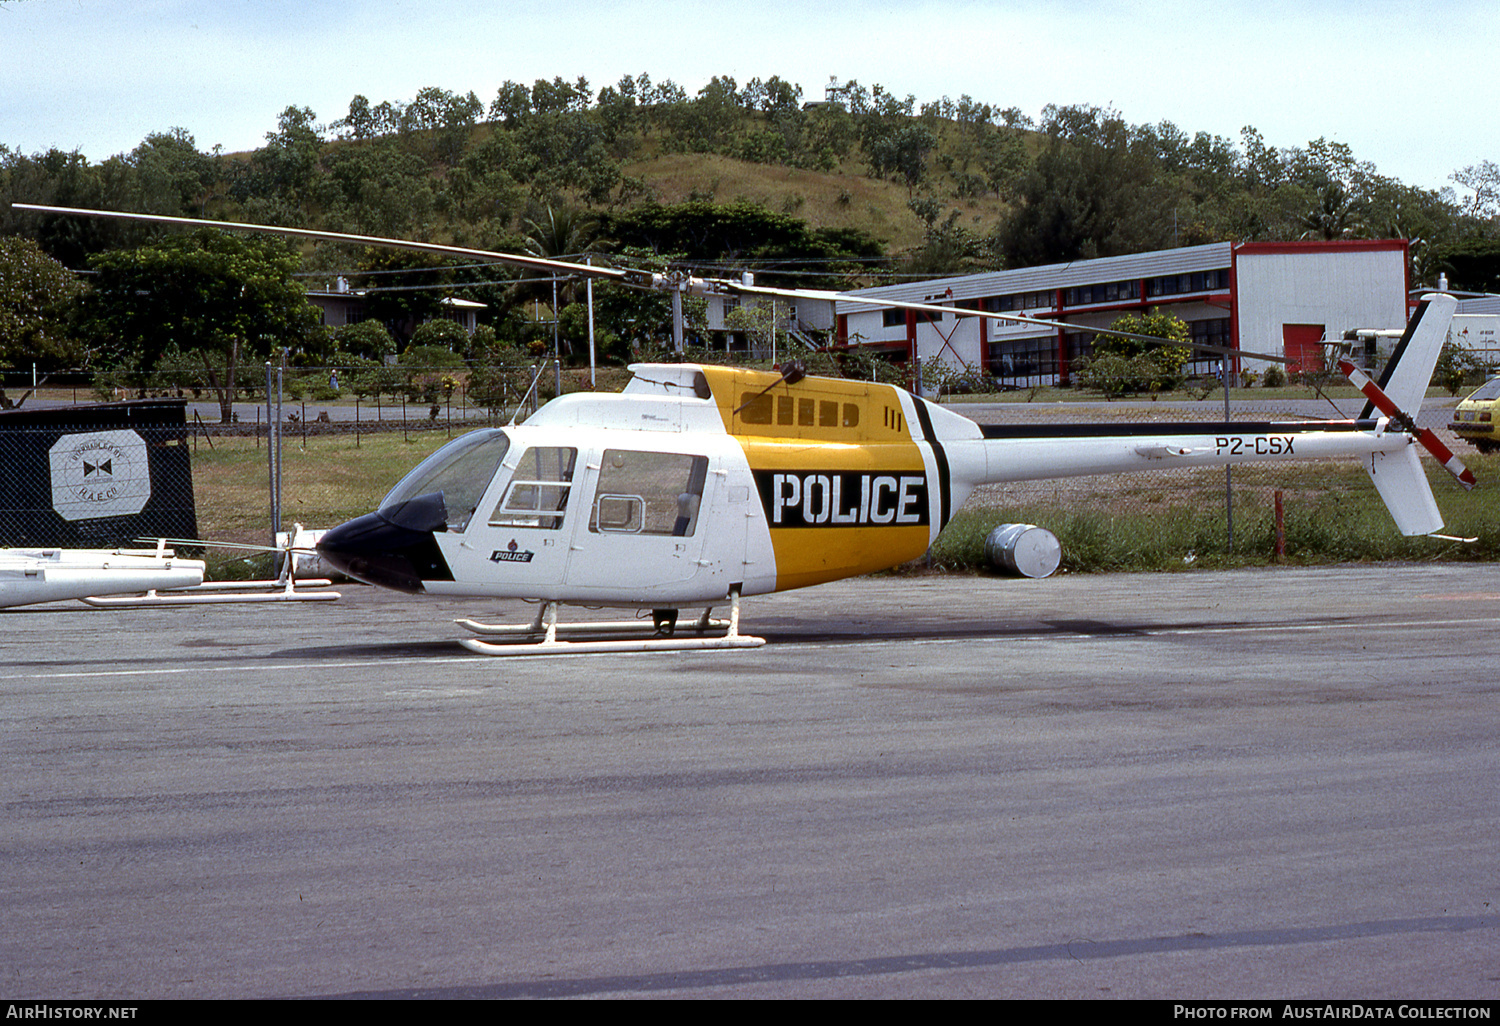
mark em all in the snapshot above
pixel 432 370
pixel 438 334
pixel 278 182
pixel 1456 366
pixel 1121 366
pixel 173 177
pixel 212 296
pixel 902 155
pixel 446 117
pixel 1335 215
pixel 36 293
pixel 402 288
pixel 1473 264
pixel 1095 190
pixel 376 188
pixel 743 231
pixel 557 234
pixel 947 246
pixel 1483 184
pixel 368 339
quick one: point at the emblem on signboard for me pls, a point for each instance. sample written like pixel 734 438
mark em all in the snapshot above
pixel 100 474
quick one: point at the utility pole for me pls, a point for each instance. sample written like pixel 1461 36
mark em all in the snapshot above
pixel 589 287
pixel 677 319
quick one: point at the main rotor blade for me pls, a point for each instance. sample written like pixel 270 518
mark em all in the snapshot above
pixel 685 283
pixel 515 259
pixel 897 304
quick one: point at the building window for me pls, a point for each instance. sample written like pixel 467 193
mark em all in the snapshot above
pixel 1104 292
pixel 1019 301
pixel 1023 362
pixel 1183 284
pixel 1211 332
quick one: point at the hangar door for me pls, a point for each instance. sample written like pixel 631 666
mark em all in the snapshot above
pixel 1303 345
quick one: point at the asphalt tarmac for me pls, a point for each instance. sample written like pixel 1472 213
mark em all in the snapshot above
pixel 1271 784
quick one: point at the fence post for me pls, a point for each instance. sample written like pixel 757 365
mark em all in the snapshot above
pixel 1228 471
pixel 273 446
pixel 1280 529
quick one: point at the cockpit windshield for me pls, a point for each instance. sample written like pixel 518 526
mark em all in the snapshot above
pixel 460 470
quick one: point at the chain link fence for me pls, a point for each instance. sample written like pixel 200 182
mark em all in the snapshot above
pixel 1297 510
pixel 95 477
pixel 80 480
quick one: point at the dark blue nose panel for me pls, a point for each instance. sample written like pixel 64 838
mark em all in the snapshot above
pixel 392 547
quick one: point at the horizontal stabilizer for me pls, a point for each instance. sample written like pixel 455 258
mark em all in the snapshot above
pixel 1402 484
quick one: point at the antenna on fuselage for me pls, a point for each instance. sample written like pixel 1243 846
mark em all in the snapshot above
pixel 536 376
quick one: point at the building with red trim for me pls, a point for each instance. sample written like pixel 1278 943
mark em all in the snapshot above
pixel 1280 298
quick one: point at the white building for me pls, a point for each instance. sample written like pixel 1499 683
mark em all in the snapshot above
pixel 1282 298
pixel 1476 326
pixel 802 322
pixel 347 306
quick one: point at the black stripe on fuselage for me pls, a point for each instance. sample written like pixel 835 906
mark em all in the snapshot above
pixel 940 457
pixel 1396 354
pixel 1192 427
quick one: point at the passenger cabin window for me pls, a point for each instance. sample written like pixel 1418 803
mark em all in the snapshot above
pixel 648 493
pixel 801 412
pixel 755 408
pixel 538 492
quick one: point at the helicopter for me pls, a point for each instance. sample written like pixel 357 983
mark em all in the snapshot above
pixel 700 485
pixel 29 576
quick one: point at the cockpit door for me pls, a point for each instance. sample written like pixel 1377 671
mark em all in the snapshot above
pixel 519 537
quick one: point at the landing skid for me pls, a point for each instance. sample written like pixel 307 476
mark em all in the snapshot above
pixel 542 635
pixel 216 592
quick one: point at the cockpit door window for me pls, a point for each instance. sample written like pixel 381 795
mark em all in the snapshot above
pixel 539 488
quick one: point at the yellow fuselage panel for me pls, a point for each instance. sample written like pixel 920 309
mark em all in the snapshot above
pixel 808 556
pixel 761 405
pixel 837 511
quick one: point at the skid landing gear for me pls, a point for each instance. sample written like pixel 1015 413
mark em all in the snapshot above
pixel 544 635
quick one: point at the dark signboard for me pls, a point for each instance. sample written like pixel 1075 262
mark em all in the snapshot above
pixel 83 477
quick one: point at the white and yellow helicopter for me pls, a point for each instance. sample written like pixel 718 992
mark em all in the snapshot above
pixel 700 485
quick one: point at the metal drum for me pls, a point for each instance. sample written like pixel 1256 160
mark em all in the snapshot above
pixel 1023 549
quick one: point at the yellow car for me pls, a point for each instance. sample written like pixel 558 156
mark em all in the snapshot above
pixel 1475 419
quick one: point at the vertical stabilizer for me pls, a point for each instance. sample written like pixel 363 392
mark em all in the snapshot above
pixel 1410 368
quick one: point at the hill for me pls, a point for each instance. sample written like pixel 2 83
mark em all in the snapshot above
pixel 942 187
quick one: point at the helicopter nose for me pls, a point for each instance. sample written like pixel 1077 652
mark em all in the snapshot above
pixel 392 547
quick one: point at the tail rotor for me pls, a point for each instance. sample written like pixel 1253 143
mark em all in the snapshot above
pixel 1426 437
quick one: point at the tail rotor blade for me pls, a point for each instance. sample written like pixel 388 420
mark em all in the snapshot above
pixel 1444 455
pixel 1360 380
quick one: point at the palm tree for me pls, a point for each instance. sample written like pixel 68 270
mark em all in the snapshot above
pixel 558 235
pixel 1336 216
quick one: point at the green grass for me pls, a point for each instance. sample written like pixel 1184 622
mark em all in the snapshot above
pixel 330 480
pixel 1332 515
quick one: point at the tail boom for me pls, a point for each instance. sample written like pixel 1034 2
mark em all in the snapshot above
pixel 1011 454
